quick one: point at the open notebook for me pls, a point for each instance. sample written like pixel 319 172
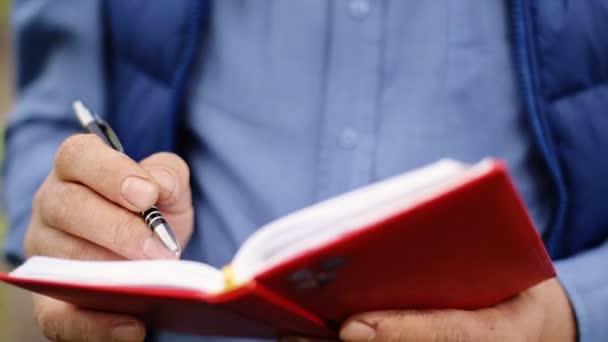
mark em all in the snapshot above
pixel 431 224
pixel 271 244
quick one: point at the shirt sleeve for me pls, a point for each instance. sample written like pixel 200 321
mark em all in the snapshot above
pixel 585 278
pixel 58 56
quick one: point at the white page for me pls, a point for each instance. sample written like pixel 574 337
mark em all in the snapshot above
pixel 148 273
pixel 278 241
pixel 326 221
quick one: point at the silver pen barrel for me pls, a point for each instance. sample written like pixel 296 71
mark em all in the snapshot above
pixel 156 221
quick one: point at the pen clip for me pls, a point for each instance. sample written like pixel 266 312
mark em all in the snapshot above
pixel 109 133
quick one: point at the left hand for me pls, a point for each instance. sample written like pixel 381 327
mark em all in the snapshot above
pixel 541 313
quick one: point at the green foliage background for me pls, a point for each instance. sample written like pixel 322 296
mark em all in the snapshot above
pixel 4 15
pixel 4 9
pixel 2 218
pixel 16 313
pixel 4 309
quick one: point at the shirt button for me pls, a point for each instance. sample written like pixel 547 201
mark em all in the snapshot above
pixel 359 9
pixel 348 138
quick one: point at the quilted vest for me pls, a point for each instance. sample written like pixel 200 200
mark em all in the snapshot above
pixel 561 52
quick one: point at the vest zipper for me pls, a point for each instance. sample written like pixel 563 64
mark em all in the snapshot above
pixel 526 67
pixel 190 47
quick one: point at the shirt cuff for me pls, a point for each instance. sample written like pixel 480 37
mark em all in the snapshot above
pixel 13 245
pixel 585 279
pixel 33 149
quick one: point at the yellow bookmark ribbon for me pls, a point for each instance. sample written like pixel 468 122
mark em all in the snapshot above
pixel 229 280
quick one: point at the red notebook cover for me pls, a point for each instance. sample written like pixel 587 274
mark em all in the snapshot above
pixel 471 247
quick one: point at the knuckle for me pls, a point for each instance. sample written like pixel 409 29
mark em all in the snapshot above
pixel 398 328
pixel 30 243
pixel 390 332
pixel 82 329
pixel 38 196
pixel 47 323
pixel 182 167
pixel 73 148
pixel 67 198
pixel 58 323
pixel 75 250
pixel 42 192
pixel 175 162
pixel 45 208
pixel 447 331
pixel 127 231
pixel 31 238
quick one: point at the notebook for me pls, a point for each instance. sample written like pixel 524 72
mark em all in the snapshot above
pixel 447 235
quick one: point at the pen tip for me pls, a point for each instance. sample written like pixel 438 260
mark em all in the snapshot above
pixel 82 113
pixel 164 233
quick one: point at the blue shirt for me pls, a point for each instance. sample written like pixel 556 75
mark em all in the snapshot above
pixel 293 102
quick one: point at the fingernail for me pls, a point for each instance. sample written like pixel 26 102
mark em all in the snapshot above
pixel 139 192
pixel 164 179
pixel 154 249
pixel 357 331
pixel 128 332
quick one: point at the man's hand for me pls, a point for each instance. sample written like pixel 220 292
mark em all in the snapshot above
pixel 542 313
pixel 88 209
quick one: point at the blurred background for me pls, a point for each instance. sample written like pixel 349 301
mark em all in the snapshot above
pixel 16 319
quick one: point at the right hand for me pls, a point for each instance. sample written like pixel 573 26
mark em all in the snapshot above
pixel 88 209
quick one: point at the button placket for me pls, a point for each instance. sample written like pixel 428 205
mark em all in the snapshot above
pixel 359 9
pixel 351 96
pixel 348 138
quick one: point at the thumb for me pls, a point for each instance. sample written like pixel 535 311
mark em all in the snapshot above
pixel 413 325
pixel 61 321
pixel 175 197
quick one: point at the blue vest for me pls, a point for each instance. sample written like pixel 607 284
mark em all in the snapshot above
pixel 562 65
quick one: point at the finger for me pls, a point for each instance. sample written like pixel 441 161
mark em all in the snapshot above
pixel 84 158
pixel 416 325
pixel 79 211
pixel 173 175
pixel 175 199
pixel 60 321
pixel 55 243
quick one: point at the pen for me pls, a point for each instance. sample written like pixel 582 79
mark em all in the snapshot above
pixel 154 219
